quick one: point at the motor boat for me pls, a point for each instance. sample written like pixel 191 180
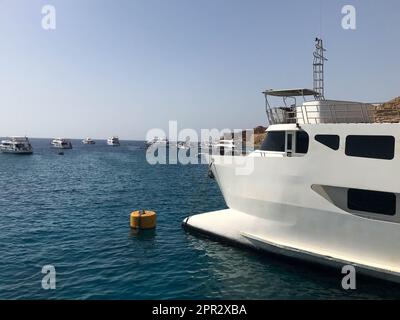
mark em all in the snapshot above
pixel 183 145
pixel 16 145
pixel 62 143
pixel 88 141
pixel 323 187
pixel 157 142
pixel 113 141
pixel 224 147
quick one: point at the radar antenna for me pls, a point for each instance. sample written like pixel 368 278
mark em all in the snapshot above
pixel 318 69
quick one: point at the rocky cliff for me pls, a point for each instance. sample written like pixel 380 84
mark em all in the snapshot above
pixel 388 112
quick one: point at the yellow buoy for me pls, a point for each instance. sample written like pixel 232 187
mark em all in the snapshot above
pixel 143 219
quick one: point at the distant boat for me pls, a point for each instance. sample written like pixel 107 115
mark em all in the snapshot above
pixel 16 145
pixel 224 147
pixel 183 145
pixel 113 141
pixel 159 142
pixel 62 143
pixel 88 141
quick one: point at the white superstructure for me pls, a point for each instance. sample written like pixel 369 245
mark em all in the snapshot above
pixel 16 145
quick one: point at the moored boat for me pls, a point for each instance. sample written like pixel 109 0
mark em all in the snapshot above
pixel 224 147
pixel 323 187
pixel 157 142
pixel 16 145
pixel 62 143
pixel 113 141
pixel 88 141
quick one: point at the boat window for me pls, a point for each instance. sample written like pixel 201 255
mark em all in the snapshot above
pixel 274 141
pixel 372 201
pixel 376 147
pixel 330 140
pixel 302 141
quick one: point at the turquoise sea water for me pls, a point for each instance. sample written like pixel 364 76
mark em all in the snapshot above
pixel 72 212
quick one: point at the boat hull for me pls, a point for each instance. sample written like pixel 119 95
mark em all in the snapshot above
pixel 16 152
pixel 277 206
pixel 200 224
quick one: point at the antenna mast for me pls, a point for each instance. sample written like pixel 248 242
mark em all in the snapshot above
pixel 318 69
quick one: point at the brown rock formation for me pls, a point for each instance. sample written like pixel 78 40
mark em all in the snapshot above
pixel 259 135
pixel 388 112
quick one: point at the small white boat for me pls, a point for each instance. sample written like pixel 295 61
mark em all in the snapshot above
pixel 16 145
pixel 224 147
pixel 158 142
pixel 113 141
pixel 88 141
pixel 61 143
pixel 183 145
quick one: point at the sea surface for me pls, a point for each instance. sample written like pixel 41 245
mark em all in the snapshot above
pixel 72 212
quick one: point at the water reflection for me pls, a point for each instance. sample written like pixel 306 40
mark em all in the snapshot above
pixel 267 276
pixel 142 235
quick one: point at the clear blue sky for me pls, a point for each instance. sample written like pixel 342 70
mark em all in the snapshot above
pixel 122 67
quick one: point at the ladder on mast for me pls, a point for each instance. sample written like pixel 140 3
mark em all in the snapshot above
pixel 318 69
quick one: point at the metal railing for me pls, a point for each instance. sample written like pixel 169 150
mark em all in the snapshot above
pixel 331 113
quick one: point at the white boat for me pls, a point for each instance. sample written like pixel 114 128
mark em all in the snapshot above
pixel 88 141
pixel 157 142
pixel 16 145
pixel 324 187
pixel 113 141
pixel 61 143
pixel 224 147
pixel 183 145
